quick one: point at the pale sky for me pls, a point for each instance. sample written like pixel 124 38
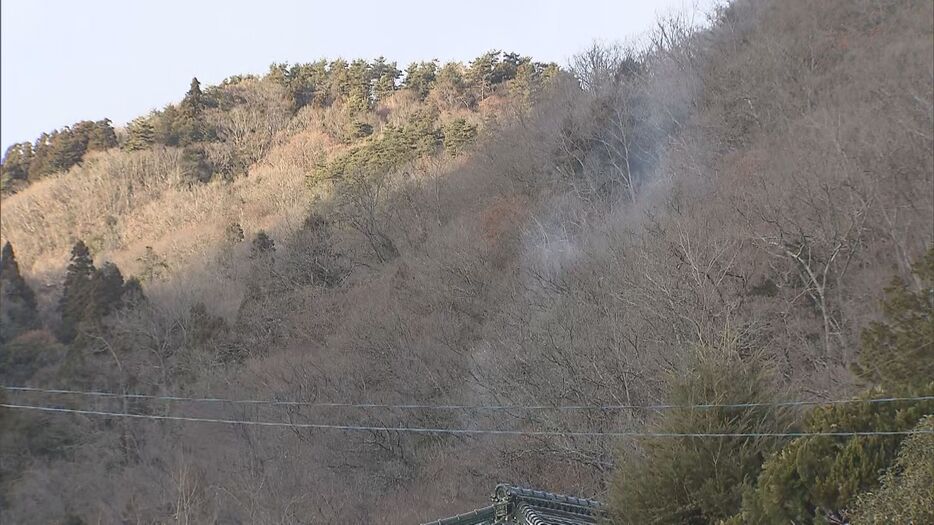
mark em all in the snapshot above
pixel 62 61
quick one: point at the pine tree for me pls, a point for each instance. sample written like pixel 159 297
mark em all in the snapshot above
pixel 16 161
pixel 699 481
pixel 458 134
pixel 419 77
pixel 141 134
pixel 18 311
pixel 385 74
pixel 101 136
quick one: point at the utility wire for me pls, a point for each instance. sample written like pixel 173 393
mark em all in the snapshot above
pixel 463 407
pixel 426 430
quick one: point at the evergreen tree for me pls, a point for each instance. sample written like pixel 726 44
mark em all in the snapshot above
pixel 814 478
pixel 101 136
pixel 906 494
pixel 195 165
pixel 153 265
pixel 141 134
pixel 419 77
pixel 41 163
pixel 108 289
pixel 339 84
pixel 263 245
pixel 203 327
pixel 458 134
pixel 78 294
pixel 15 165
pixel 385 74
pixel 701 481
pixel 898 353
pixel 166 126
pixel 189 123
pixel 451 86
pixel 18 311
pixel 133 292
pixel 482 72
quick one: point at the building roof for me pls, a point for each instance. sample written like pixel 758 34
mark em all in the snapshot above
pixel 522 506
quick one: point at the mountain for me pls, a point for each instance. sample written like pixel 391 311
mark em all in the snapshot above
pixel 732 212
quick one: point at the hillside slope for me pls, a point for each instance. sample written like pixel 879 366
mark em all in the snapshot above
pixel 499 233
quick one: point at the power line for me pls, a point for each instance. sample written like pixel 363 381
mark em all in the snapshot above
pixel 464 407
pixel 462 431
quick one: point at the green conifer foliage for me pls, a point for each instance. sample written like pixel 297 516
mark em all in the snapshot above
pixel 189 123
pixel 18 312
pixel 15 165
pixel 141 134
pixel 419 77
pixel 458 135
pixel 700 481
pixel 815 478
pixel 78 294
pixel 898 353
pixel 906 494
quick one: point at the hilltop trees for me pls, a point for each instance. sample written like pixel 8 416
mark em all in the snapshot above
pixel 141 134
pixel 15 166
pixel 223 129
pixel 189 124
pixel 56 151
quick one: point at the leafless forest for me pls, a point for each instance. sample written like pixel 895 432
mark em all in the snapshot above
pixel 745 184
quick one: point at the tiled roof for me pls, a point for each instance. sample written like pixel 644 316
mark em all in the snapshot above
pixel 522 506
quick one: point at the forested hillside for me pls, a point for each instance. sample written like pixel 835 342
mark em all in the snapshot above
pixel 734 212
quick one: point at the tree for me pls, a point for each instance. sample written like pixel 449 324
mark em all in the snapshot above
pixel 154 266
pixel 816 478
pixel 78 293
pixel 898 353
pixel 203 326
pixel 699 481
pixel 101 136
pixel 419 77
pixel 263 245
pixel 141 134
pixel 109 288
pixel 906 494
pixel 195 165
pixel 189 123
pixel 458 134
pixel 16 161
pixel 451 87
pixel 481 72
pixel 18 311
pixel 385 75
pixel 133 292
